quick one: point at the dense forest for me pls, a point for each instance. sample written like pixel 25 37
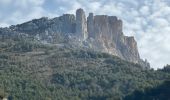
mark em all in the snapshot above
pixel 160 92
pixel 30 70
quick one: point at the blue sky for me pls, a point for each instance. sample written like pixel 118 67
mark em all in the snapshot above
pixel 147 20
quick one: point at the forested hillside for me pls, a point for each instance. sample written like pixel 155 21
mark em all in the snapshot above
pixel 30 70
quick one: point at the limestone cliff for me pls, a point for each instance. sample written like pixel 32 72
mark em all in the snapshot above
pixel 108 36
pixel 81 24
pixel 98 32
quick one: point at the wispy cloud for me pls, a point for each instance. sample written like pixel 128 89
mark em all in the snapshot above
pixel 147 20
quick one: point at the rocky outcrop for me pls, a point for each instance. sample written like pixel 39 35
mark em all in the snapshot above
pixel 63 24
pixel 99 32
pixel 108 36
pixel 90 25
pixel 81 24
pixel 129 49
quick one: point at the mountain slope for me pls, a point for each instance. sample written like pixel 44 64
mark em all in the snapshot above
pixel 30 70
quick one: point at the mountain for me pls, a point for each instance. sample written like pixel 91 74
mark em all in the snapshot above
pixel 100 32
pixel 62 59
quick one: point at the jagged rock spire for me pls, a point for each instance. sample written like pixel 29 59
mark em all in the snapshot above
pixel 81 24
pixel 90 25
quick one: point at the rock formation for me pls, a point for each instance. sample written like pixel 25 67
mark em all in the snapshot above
pixel 90 25
pixel 99 32
pixel 81 24
pixel 108 36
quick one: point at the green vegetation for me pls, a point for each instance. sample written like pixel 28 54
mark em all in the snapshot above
pixel 166 69
pixel 158 93
pixel 33 71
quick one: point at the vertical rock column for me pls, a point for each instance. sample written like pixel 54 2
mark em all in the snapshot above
pixel 81 24
pixel 90 25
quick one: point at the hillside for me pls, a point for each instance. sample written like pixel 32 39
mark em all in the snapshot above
pixel 31 70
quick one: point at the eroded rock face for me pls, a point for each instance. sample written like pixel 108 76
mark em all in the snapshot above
pixel 130 51
pixel 90 25
pixel 99 32
pixel 81 24
pixel 63 24
pixel 108 37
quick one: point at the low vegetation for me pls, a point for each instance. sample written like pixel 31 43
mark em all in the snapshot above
pixel 30 70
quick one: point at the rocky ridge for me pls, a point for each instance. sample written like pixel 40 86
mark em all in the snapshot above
pixel 99 32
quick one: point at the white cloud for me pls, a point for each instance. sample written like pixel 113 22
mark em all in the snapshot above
pixel 144 11
pixel 28 3
pixel 18 11
pixel 5 2
pixel 160 22
pixel 4 25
